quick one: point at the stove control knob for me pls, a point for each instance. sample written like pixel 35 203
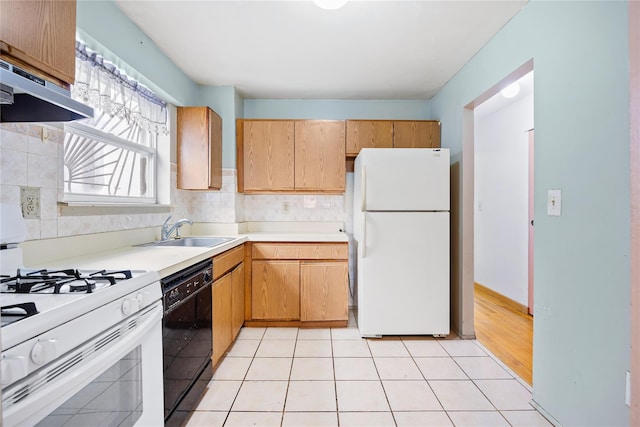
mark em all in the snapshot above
pixel 12 369
pixel 127 308
pixel 43 351
pixel 140 299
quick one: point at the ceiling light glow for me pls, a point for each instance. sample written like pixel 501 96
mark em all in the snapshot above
pixel 511 90
pixel 330 4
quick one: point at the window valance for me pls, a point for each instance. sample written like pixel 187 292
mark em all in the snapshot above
pixel 103 86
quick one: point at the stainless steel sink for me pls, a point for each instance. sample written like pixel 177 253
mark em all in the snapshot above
pixel 191 242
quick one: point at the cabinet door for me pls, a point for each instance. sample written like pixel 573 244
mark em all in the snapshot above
pixel 237 299
pixel 222 332
pixel 199 149
pixel 320 155
pixel 368 134
pixel 215 150
pixel 275 290
pixel 268 155
pixel 41 34
pixel 416 134
pixel 324 288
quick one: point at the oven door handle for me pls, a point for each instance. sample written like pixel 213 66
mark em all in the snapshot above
pixel 31 399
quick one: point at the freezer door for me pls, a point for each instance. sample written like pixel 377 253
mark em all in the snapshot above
pixel 403 274
pixel 402 179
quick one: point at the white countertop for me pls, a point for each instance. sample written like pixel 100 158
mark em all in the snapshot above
pixel 168 260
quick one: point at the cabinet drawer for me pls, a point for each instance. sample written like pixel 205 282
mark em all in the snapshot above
pixel 225 261
pixel 300 251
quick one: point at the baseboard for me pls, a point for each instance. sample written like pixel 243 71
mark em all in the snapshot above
pixel 508 302
pixel 544 413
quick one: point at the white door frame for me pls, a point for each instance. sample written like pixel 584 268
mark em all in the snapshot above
pixel 634 139
pixel 466 297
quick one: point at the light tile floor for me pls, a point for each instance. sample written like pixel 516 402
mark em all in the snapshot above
pixel 332 377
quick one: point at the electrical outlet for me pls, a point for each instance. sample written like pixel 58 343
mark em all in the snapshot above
pixel 30 202
pixel 285 207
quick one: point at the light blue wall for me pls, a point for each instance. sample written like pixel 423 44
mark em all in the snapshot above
pixel 223 100
pixel 581 109
pixel 336 109
pixel 103 23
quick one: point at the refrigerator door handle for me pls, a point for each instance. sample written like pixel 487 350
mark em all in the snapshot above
pixel 363 188
pixel 364 236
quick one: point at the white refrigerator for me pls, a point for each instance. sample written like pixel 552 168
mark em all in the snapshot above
pixel 401 229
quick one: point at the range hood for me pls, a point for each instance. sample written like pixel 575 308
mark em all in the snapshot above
pixel 28 98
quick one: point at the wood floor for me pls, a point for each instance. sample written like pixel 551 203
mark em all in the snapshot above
pixel 506 332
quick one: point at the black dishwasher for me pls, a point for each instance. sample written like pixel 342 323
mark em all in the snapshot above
pixel 186 339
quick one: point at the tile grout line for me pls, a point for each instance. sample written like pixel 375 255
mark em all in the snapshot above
pixel 335 381
pixel 286 395
pixel 244 378
pixel 427 381
pixel 379 379
pixel 476 385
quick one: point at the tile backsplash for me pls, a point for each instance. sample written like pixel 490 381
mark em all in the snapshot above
pixel 293 207
pixel 32 155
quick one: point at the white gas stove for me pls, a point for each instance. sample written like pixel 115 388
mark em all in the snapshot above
pixel 78 346
pixel 41 300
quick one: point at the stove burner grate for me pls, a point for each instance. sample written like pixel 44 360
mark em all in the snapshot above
pixel 61 281
pixel 15 312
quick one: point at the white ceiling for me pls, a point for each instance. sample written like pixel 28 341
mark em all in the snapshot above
pixel 293 49
pixel 498 102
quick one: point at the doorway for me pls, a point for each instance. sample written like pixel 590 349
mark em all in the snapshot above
pixel 503 221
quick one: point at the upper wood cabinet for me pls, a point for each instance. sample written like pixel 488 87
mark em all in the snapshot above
pixel 391 134
pixel 290 156
pixel 416 134
pixel 319 155
pixel 267 153
pixel 41 37
pixel 199 149
pixel 368 134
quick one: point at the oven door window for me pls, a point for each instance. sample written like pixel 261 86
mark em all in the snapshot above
pixel 114 398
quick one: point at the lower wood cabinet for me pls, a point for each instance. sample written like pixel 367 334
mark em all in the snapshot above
pixel 228 300
pixel 324 288
pixel 237 299
pixel 275 290
pixel 222 332
pixel 299 282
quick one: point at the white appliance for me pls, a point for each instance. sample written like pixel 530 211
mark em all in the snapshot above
pixel 401 229
pixel 78 347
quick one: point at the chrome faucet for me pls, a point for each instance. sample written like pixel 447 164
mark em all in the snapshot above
pixel 166 230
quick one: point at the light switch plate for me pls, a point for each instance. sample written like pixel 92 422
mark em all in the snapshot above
pixel 554 202
pixel 627 390
pixel 30 202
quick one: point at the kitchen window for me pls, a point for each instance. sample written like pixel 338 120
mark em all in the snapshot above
pixel 112 157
